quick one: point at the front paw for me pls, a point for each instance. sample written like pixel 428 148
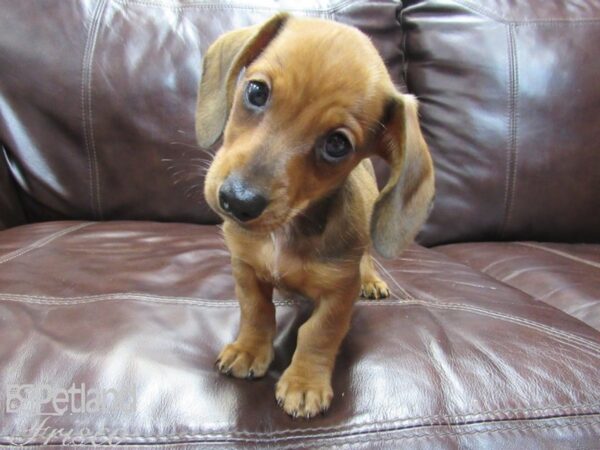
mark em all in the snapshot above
pixel 245 361
pixel 374 289
pixel 303 395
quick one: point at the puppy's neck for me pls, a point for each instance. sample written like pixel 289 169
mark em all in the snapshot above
pixel 313 220
pixel 324 230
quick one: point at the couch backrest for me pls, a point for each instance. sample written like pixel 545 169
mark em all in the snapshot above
pixel 97 103
pixel 510 106
pixel 97 98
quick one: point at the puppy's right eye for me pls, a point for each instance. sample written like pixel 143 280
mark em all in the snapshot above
pixel 257 93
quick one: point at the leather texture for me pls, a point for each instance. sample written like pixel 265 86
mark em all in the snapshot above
pixel 482 345
pixel 566 276
pixel 99 102
pixel 453 359
pixel 509 106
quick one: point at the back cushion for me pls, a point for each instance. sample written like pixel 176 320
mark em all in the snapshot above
pixel 97 99
pixel 11 213
pixel 510 106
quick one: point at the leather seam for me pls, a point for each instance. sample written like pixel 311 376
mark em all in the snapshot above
pixel 36 245
pixel 564 337
pixel 512 149
pixel 86 105
pixel 490 14
pixel 560 253
pixel 217 6
pixel 244 436
pixel 368 438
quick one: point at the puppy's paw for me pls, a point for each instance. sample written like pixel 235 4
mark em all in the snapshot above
pixel 374 289
pixel 242 361
pixel 303 397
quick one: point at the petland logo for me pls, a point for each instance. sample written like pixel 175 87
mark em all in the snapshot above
pixel 46 400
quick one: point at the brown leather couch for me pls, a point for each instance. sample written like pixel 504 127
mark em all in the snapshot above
pixel 113 274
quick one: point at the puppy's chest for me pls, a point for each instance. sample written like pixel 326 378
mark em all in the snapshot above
pixel 276 261
pixel 273 260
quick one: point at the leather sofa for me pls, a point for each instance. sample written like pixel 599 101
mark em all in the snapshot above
pixel 115 283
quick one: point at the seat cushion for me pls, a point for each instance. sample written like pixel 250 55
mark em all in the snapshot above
pixel 453 359
pixel 566 276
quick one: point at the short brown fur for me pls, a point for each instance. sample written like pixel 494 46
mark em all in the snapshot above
pixel 314 237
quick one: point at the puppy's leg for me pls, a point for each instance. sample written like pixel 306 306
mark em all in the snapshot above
pixel 373 286
pixel 304 389
pixel 252 352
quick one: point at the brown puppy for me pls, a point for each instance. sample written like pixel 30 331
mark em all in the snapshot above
pixel 301 103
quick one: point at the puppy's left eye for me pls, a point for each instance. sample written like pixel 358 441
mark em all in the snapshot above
pixel 257 93
pixel 336 146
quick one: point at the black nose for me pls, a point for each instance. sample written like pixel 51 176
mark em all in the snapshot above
pixel 242 202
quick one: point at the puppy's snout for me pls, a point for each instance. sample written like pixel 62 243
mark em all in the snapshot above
pixel 241 201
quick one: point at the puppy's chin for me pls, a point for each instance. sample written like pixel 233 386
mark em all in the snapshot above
pixel 266 223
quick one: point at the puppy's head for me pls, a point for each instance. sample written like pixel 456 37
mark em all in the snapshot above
pixel 300 102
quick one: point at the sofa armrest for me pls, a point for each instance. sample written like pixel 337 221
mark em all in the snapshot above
pixel 11 211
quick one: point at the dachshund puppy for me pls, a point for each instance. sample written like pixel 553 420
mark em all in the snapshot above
pixel 301 104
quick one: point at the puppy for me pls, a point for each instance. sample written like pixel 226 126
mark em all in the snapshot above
pixel 301 104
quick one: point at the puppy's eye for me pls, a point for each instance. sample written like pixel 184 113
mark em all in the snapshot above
pixel 257 93
pixel 336 146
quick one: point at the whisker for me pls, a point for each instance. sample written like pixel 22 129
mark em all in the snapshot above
pixel 189 190
pixel 185 144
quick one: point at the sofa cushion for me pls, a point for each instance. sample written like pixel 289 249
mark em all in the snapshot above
pixel 97 99
pixel 566 276
pixel 510 107
pixel 453 359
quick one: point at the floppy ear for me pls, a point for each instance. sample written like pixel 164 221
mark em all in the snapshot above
pixel 404 203
pixel 223 61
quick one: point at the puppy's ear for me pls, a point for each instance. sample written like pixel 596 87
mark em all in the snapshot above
pixel 223 61
pixel 404 203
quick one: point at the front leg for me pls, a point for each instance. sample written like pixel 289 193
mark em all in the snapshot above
pixel 304 389
pixel 252 352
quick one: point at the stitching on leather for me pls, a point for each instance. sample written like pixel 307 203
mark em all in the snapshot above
pixel 515 319
pixel 86 105
pixel 146 298
pixel 565 337
pixel 366 439
pixel 511 157
pixel 490 14
pixel 560 253
pixel 42 242
pixel 386 272
pixel 508 126
pixel 299 434
pixel 90 111
pixel 515 128
pixel 196 5
pixel 84 65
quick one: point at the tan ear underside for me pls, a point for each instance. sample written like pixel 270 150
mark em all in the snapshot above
pixel 404 203
pixel 224 60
